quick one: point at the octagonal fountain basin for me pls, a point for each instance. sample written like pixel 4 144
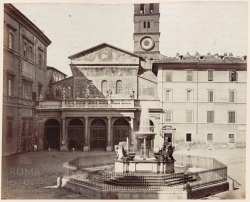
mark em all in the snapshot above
pixel 145 135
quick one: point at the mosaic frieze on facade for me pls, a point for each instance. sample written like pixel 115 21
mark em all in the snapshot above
pixel 104 71
pixel 106 55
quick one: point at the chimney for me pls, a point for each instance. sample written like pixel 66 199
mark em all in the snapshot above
pixel 216 55
pixel 208 53
pixel 231 54
pixel 188 54
pixel 225 54
pixel 244 58
pixel 177 55
pixel 196 54
pixel 202 57
pixel 221 57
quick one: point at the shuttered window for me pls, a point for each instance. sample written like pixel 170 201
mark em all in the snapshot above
pixel 231 96
pixel 168 115
pixel 189 75
pixel 210 96
pixel 210 116
pixel 189 116
pixel 231 117
pixel 210 75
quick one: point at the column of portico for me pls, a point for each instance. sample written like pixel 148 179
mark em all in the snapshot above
pixel 64 142
pixel 132 135
pixel 109 135
pixel 86 135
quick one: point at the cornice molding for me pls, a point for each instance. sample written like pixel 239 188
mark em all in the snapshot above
pixel 146 14
pixel 148 33
pixel 105 64
pixel 22 19
pixel 147 52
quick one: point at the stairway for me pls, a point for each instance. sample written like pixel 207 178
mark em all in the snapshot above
pixel 150 179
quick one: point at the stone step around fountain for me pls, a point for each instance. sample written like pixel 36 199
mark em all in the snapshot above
pixel 151 180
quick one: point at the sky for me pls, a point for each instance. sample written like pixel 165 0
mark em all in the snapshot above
pixel 215 27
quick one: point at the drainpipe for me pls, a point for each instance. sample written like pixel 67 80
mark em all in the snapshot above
pixel 161 102
pixel 197 100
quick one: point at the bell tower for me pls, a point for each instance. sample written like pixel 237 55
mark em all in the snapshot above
pixel 146 31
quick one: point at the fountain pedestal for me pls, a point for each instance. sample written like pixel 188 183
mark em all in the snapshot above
pixel 149 165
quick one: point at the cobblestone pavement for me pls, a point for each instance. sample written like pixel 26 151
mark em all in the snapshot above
pixel 33 175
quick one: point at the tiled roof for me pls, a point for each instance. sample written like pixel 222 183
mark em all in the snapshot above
pixel 217 59
pixel 50 67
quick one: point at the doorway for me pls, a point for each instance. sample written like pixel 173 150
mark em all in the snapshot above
pixel 121 130
pixel 168 136
pixel 52 134
pixel 76 134
pixel 98 133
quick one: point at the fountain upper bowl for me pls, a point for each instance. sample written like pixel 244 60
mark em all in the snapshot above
pixel 145 135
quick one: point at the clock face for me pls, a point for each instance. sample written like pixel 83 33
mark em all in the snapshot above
pixel 147 43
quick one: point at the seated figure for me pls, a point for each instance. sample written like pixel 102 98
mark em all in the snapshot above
pixel 168 149
pixel 120 152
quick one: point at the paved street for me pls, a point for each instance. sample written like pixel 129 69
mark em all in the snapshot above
pixel 33 175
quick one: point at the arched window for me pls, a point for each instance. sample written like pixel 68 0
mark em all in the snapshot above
pixel 142 8
pixel 104 86
pixel 57 92
pixel 119 87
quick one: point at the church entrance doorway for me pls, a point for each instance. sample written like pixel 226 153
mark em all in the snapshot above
pixel 121 130
pixel 98 133
pixel 52 134
pixel 76 134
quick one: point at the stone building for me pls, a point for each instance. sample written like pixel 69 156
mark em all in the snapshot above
pixel 53 76
pixel 203 98
pixel 24 79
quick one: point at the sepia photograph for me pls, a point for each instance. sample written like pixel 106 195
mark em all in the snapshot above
pixel 124 100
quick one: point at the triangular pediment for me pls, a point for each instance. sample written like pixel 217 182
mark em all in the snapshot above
pixel 104 54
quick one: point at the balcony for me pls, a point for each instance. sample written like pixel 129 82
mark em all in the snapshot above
pixel 88 103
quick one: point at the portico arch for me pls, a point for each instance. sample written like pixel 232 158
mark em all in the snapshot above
pixel 52 134
pixel 76 134
pixel 121 130
pixel 98 133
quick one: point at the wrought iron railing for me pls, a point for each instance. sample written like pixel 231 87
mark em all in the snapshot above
pixel 205 171
pixel 209 170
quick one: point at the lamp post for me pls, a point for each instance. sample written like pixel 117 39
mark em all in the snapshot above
pixel 167 127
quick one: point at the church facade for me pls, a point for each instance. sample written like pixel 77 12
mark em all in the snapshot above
pixel 195 100
pixel 99 105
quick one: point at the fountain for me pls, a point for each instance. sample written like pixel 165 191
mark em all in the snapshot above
pixel 144 133
pixel 136 176
pixel 132 162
